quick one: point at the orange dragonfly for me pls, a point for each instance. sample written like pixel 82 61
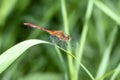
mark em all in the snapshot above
pixel 59 34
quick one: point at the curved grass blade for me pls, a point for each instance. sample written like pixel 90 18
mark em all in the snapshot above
pixel 13 53
pixel 8 57
pixel 116 73
pixel 106 75
pixel 106 57
pixel 78 61
pixel 107 11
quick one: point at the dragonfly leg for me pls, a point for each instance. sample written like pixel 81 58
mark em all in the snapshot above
pixel 62 44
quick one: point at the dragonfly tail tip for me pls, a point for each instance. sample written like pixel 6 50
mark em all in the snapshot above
pixel 25 23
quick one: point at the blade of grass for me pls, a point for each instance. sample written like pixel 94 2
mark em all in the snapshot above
pixel 106 74
pixel 99 29
pixel 84 34
pixel 77 60
pixel 107 11
pixel 42 76
pixel 117 71
pixel 66 28
pixel 105 58
pixel 61 59
pixel 60 56
pixel 13 53
pixel 5 9
pixel 65 17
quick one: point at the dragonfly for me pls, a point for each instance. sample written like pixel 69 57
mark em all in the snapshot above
pixel 57 33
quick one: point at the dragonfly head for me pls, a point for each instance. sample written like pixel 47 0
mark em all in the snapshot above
pixel 68 38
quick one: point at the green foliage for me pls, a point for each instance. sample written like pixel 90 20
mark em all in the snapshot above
pixel 92 53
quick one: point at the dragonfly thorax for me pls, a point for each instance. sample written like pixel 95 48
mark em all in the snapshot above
pixel 62 36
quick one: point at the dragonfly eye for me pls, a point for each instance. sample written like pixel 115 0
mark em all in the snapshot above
pixel 68 38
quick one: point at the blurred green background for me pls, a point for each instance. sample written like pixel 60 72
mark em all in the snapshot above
pixel 41 62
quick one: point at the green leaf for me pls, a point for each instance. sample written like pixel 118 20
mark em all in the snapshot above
pixel 107 11
pixel 5 9
pixel 117 71
pixel 106 75
pixel 13 53
pixel 43 76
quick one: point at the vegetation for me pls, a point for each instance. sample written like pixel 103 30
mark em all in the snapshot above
pixel 28 54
